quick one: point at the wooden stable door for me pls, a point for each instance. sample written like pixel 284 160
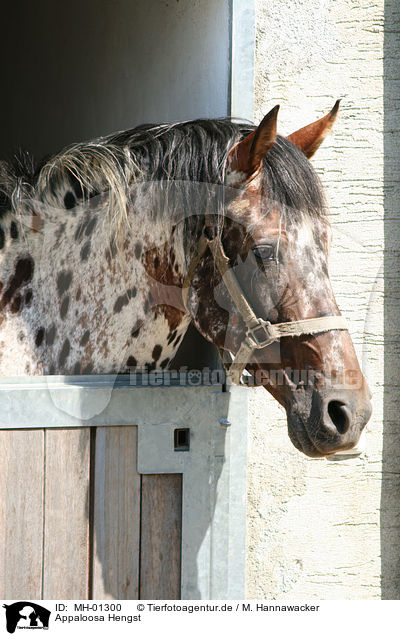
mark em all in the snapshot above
pixel 78 521
pixel 111 490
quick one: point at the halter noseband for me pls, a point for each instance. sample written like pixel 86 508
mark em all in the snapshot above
pixel 260 332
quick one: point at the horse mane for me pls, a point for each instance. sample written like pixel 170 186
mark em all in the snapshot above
pixel 193 151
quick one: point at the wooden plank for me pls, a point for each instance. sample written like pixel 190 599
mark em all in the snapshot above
pixel 161 530
pixel 66 543
pixel 116 514
pixel 21 513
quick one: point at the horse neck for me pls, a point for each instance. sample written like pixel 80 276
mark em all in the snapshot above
pixel 83 297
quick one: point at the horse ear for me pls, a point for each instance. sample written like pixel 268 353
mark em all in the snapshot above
pixel 309 138
pixel 246 157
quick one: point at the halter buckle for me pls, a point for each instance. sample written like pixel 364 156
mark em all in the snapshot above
pixel 260 335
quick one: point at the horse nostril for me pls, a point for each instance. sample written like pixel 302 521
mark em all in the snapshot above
pixel 340 416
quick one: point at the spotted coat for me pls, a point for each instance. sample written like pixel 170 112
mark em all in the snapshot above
pixel 72 303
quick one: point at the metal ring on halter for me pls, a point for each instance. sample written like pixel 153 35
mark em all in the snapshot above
pixel 262 329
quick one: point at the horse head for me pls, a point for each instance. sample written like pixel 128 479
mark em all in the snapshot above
pixel 258 287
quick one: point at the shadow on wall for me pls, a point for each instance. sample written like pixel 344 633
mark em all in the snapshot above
pixel 390 496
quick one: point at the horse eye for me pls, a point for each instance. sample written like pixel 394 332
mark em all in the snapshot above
pixel 264 253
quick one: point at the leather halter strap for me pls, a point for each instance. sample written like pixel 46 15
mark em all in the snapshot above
pixel 260 333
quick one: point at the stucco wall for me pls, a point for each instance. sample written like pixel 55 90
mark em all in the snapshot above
pixel 315 526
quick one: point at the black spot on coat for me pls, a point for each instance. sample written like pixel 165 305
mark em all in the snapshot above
pixel 120 303
pixel 85 338
pixel 138 250
pixel 50 335
pixel 69 200
pixel 85 251
pixel 131 293
pixel 22 275
pixel 64 307
pixel 39 337
pixel 131 362
pixel 77 368
pixel 156 352
pixel 64 353
pixel 63 282
pixel 13 230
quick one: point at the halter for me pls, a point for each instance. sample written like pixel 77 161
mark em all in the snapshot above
pixel 260 332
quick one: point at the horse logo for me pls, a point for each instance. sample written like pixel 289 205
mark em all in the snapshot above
pixel 26 615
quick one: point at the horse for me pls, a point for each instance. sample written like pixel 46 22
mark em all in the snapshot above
pixel 112 247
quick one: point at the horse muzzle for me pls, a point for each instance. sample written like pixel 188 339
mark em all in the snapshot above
pixel 322 423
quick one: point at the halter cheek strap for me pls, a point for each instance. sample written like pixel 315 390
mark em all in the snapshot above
pixel 260 333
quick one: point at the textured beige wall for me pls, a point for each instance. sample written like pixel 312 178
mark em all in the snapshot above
pixel 314 526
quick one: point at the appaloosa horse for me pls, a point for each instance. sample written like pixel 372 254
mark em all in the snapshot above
pixel 109 249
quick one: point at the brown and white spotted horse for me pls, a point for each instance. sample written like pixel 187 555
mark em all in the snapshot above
pixel 97 243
